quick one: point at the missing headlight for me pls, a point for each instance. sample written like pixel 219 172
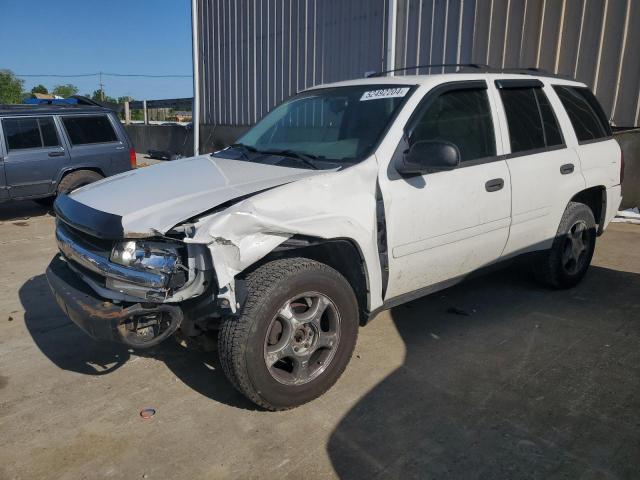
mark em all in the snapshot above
pixel 147 255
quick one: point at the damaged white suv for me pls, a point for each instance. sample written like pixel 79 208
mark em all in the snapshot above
pixel 345 200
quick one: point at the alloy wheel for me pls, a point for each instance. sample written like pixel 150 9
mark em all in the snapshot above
pixel 302 338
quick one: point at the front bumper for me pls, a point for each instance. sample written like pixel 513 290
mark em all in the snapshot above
pixel 102 266
pixel 102 319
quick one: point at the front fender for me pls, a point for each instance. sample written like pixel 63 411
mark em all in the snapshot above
pixel 338 204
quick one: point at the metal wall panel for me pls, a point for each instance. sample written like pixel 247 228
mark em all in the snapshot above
pixel 256 53
pixel 595 41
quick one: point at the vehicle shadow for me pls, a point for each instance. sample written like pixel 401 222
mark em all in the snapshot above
pixel 68 347
pixel 22 210
pixel 60 339
pixel 504 379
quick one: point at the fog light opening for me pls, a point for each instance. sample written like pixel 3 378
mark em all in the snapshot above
pixel 148 328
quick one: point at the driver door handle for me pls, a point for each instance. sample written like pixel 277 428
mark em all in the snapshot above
pixel 56 154
pixel 494 185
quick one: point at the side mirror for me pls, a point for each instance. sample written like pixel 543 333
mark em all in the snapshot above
pixel 429 157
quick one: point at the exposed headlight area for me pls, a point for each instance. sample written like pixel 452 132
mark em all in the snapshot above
pixel 160 257
pixel 147 269
pixel 145 255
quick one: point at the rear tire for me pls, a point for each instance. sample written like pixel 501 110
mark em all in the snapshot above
pixel 568 259
pixel 293 337
pixel 77 179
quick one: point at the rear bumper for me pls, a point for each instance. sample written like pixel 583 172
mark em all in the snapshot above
pixel 103 319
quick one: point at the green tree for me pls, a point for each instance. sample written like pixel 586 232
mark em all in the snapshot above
pixel 101 96
pixel 65 91
pixel 10 87
pixel 39 89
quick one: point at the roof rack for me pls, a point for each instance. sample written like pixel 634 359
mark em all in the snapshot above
pixel 42 106
pixel 479 66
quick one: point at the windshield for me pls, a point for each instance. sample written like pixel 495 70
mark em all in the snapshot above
pixel 336 125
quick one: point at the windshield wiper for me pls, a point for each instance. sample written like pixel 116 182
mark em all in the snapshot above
pixel 305 158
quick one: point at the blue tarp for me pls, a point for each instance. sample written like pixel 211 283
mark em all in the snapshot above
pixel 52 101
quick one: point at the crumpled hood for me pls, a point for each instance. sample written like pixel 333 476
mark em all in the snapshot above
pixel 154 199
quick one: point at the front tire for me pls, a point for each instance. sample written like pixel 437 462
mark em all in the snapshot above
pixel 567 262
pixel 293 337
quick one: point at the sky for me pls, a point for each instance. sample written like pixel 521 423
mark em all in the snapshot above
pixel 68 37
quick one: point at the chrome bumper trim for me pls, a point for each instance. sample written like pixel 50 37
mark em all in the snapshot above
pixel 103 266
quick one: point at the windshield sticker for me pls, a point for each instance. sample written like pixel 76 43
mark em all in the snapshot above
pixel 384 93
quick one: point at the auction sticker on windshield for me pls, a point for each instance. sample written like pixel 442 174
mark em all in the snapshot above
pixel 384 93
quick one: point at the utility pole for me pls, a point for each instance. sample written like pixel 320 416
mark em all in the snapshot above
pixel 101 88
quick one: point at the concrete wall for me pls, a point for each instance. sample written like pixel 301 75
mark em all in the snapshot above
pixel 174 138
pixel 630 143
pixel 178 139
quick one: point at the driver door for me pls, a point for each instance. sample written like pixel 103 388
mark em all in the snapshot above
pixel 443 225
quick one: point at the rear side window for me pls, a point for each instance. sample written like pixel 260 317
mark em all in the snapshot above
pixel 586 114
pixel 530 118
pixel 88 129
pixel 462 117
pixel 29 132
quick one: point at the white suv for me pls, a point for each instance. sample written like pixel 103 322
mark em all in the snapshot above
pixel 345 200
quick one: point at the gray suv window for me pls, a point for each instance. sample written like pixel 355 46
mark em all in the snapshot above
pixel 29 132
pixel 88 129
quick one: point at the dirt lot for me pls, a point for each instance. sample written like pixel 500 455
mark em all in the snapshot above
pixel 531 384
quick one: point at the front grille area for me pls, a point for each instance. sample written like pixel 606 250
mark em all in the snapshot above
pixel 96 245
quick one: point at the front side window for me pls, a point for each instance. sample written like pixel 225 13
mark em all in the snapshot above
pixel 462 117
pixel 87 129
pixel 29 132
pixel 530 119
pixel 338 124
pixel 585 113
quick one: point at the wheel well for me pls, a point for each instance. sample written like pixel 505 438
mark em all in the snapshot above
pixel 341 254
pixel 76 169
pixel 596 199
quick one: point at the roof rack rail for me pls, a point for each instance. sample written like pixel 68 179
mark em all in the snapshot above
pixel 479 66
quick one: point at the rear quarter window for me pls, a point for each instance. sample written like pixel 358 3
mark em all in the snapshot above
pixel 585 113
pixel 88 129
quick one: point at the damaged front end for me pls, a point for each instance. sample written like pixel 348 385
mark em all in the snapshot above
pixel 136 291
pixel 145 279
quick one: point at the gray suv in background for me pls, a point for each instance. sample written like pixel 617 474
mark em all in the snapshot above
pixel 47 150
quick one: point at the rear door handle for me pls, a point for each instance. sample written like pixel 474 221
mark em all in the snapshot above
pixel 56 154
pixel 494 185
pixel 567 168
